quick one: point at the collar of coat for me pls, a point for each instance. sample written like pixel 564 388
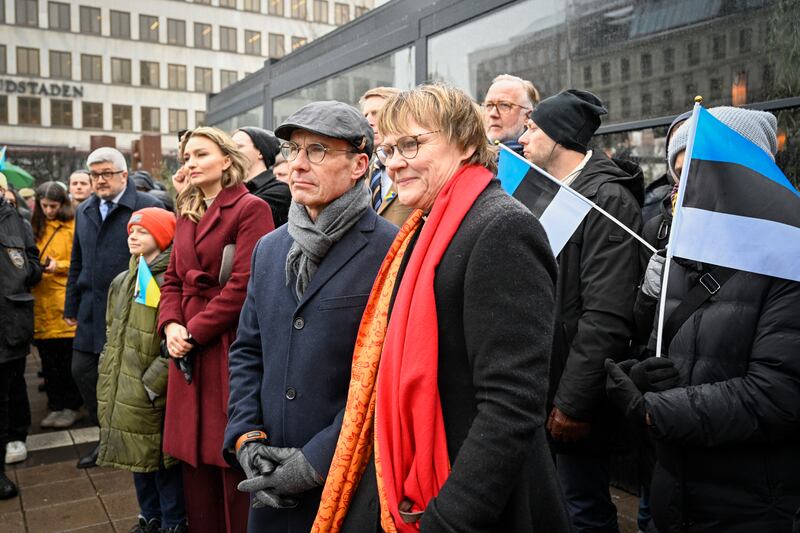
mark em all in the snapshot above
pixel 600 170
pixel 226 198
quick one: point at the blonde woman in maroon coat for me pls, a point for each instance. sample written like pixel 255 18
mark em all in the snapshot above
pixel 219 222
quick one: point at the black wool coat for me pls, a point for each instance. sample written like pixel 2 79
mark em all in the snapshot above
pixel 99 253
pixel 599 273
pixel 728 439
pixel 273 191
pixel 19 270
pixel 494 290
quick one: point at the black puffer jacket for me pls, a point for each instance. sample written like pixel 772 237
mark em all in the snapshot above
pixel 273 191
pixel 19 270
pixel 728 440
pixel 599 273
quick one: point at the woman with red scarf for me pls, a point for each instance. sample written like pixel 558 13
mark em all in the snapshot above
pixel 447 434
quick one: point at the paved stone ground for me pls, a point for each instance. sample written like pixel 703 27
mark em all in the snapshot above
pixel 57 497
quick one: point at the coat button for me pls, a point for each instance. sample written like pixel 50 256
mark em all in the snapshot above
pixel 291 394
pixel 299 323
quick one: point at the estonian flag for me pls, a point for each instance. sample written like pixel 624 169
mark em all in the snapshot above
pixel 147 291
pixel 735 207
pixel 559 209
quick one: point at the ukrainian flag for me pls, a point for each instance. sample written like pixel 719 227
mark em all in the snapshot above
pixel 147 291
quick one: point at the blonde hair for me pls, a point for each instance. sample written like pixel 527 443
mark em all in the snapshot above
pixel 191 202
pixel 445 108
pixel 378 92
pixel 530 89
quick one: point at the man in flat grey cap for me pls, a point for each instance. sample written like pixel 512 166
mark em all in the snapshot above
pixel 290 364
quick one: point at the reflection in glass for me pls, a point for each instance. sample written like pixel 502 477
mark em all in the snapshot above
pixel 251 117
pixel 392 70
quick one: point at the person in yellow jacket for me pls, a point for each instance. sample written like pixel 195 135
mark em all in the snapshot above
pixel 53 225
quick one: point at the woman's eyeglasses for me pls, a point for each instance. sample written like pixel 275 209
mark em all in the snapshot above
pixel 406 146
pixel 315 152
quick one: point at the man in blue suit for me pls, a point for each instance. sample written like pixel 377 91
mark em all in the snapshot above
pixel 290 364
pixel 99 253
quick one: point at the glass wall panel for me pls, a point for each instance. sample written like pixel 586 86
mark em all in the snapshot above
pixel 395 70
pixel 252 117
pixel 643 59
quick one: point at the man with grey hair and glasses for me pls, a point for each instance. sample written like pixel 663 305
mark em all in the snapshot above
pixel 99 253
pixel 507 106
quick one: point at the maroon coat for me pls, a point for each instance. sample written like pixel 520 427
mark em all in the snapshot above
pixel 190 295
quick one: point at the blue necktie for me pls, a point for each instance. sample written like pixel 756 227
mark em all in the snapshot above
pixel 375 187
pixel 105 208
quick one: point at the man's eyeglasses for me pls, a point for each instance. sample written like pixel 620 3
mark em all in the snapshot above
pixel 315 152
pixel 106 174
pixel 503 107
pixel 407 146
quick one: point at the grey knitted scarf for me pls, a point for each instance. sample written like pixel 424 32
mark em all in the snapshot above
pixel 312 240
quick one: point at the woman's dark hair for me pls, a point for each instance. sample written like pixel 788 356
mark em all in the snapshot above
pixel 55 191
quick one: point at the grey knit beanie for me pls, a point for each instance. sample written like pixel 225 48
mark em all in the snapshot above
pixel 759 127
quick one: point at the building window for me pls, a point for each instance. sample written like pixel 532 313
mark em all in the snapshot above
pixel 58 16
pixel 92 115
pixel 227 3
pixel 647 104
pixel 745 40
pixel 61 113
pixel 361 10
pixel 275 7
pixel 176 32
pixel 149 74
pixel 252 5
pixel 715 90
pixel 666 101
pixel 297 42
pixel 3 109
pixel 719 46
pixel 625 68
pixel 669 60
pixel 27 61
pixel 204 2
pixel 90 20
pixel 29 111
pixel 120 24
pixel 646 65
pixel 625 104
pixel 27 12
pixel 151 119
pixel 148 28
pixel 60 65
pixel 227 39
pixel 176 77
pixel 199 118
pixel 587 76
pixel 120 70
pixel 299 9
pixel 252 42
pixel 121 117
pixel 321 11
pixel 177 120
pixel 203 80
pixel 91 68
pixel 202 35
pixel 693 53
pixel 3 59
pixel 768 75
pixel 605 73
pixel 691 92
pixel 227 77
pixel 276 45
pixel 341 13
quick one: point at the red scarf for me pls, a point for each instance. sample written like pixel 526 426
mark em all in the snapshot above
pixel 411 456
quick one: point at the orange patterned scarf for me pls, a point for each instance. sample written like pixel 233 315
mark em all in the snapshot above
pixel 355 443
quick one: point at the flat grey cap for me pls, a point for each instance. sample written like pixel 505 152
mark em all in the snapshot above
pixel 332 119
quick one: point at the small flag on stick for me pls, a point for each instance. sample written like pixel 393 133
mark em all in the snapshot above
pixel 147 291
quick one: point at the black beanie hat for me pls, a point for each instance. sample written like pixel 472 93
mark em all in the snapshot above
pixel 265 142
pixel 570 118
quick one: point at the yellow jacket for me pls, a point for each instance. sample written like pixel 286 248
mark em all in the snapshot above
pixel 51 291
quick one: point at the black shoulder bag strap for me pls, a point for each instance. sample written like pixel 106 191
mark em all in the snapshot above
pixel 709 284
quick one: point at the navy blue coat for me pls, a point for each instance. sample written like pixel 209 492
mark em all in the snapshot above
pixel 99 253
pixel 290 363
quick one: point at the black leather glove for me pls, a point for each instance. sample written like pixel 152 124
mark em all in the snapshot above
pixel 655 374
pixel 293 474
pixel 257 463
pixel 623 393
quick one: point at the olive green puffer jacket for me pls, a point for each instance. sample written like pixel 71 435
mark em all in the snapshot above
pixel 131 425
